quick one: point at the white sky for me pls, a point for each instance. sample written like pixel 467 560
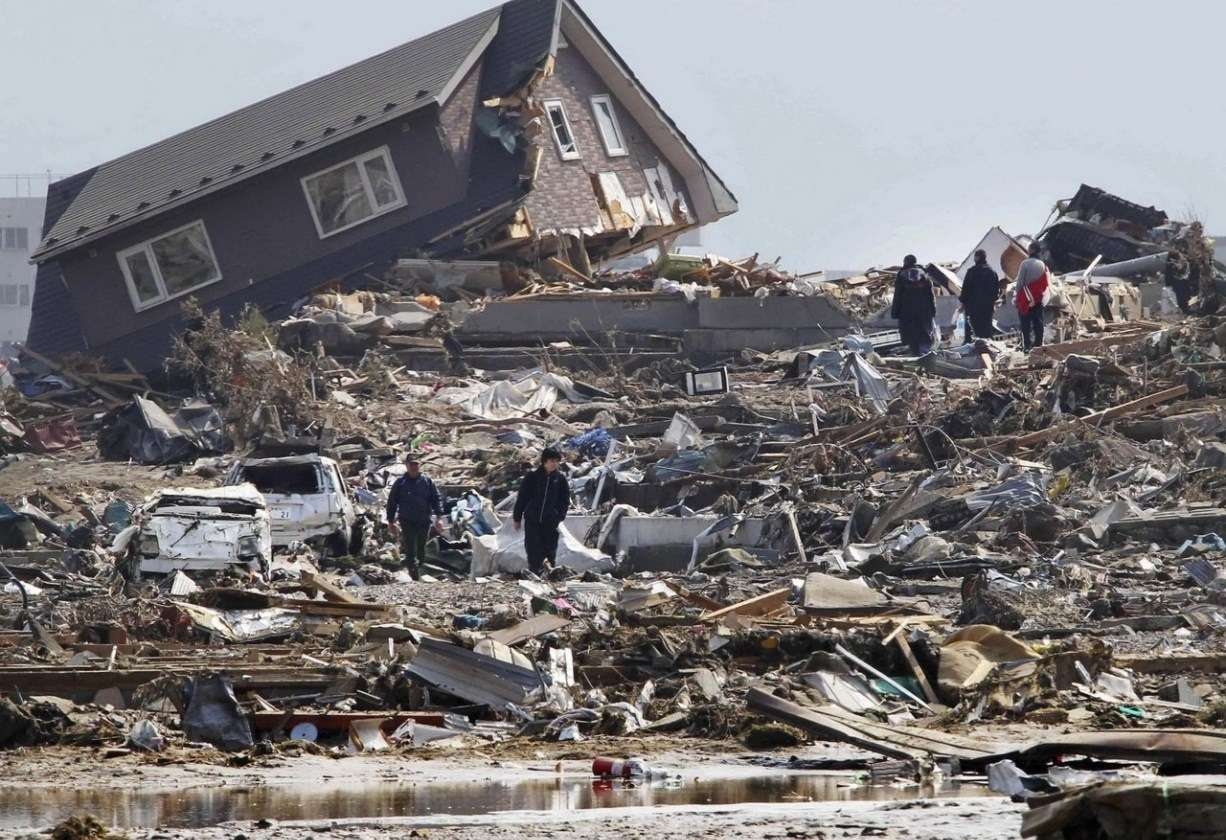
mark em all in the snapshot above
pixel 851 133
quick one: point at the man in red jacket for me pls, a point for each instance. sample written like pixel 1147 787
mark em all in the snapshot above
pixel 1032 279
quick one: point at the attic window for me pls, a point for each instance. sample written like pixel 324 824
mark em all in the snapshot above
pixel 168 266
pixel 562 135
pixel 610 129
pixel 352 192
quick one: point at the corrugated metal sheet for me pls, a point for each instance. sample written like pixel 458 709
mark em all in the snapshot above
pixel 314 114
pixel 473 677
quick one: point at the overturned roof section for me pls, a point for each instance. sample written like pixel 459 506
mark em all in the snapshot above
pixel 1091 200
pixel 270 132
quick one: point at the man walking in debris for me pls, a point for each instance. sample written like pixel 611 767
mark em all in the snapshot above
pixel 540 507
pixel 1031 286
pixel 915 307
pixel 412 505
pixel 979 293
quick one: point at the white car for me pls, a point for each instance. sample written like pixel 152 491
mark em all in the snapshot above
pixel 308 500
pixel 199 529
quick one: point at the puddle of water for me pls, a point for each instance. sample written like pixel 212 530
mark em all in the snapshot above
pixel 201 807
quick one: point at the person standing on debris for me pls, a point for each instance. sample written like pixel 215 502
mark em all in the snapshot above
pixel 980 291
pixel 412 505
pixel 1032 281
pixel 540 507
pixel 915 307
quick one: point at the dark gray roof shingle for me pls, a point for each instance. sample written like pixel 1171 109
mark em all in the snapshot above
pixel 259 136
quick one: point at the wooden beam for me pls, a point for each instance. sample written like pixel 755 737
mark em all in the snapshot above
pixel 330 590
pixel 900 638
pixel 1097 418
pixel 567 269
pixel 754 606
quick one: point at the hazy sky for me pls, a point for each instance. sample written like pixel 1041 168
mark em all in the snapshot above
pixel 851 133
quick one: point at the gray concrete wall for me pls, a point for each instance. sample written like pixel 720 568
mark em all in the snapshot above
pixel 710 327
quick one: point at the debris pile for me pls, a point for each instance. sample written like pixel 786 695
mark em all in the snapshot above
pixel 841 543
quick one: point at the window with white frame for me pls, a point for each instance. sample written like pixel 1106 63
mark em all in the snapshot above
pixel 562 135
pixel 169 265
pixel 610 129
pixel 352 192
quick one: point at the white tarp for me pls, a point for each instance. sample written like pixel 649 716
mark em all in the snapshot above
pixel 507 400
pixel 504 552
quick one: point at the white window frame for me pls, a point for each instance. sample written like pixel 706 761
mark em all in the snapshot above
pixel 610 147
pixel 147 248
pixel 574 153
pixel 359 160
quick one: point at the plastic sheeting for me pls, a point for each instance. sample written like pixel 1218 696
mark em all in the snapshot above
pixel 146 434
pixel 508 400
pixel 213 714
pixel 504 552
pixel 1024 490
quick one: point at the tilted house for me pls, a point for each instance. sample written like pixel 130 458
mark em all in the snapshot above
pixel 517 133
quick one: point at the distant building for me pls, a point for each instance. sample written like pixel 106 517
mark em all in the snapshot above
pixel 21 221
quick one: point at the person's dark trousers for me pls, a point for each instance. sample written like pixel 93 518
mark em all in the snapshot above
pixel 978 325
pixel 540 543
pixel 1032 328
pixel 413 546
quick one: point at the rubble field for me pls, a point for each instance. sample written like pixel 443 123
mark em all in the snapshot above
pixel 989 572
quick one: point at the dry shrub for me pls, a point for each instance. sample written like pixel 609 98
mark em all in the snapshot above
pixel 237 369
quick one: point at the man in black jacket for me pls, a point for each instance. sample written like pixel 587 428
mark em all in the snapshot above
pixel 411 507
pixel 914 306
pixel 980 291
pixel 540 507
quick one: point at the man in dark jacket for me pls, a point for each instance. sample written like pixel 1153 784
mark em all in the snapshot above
pixel 540 507
pixel 411 507
pixel 914 307
pixel 980 291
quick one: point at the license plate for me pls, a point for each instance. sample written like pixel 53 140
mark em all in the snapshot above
pixel 281 514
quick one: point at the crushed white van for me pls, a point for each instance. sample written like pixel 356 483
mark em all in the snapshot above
pixel 199 529
pixel 308 500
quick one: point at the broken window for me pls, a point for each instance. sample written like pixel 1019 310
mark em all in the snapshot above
pixel 610 129
pixel 352 192
pixel 14 238
pixel 170 265
pixel 562 135
pixel 284 478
